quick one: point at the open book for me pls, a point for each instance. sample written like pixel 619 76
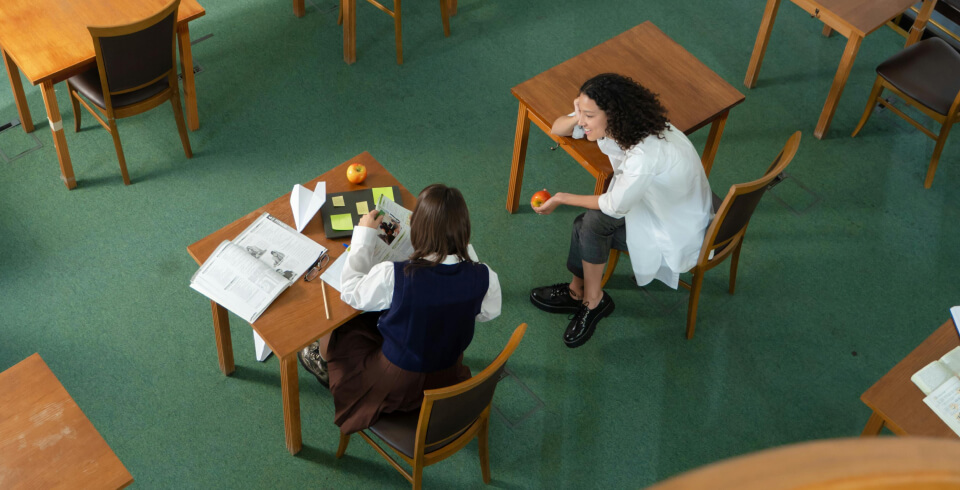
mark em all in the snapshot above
pixel 246 274
pixel 940 381
pixel 394 244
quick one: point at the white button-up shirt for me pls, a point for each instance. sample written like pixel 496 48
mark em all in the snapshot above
pixel 660 189
pixel 368 286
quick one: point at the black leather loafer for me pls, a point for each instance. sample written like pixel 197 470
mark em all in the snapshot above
pixel 585 322
pixel 311 361
pixel 554 299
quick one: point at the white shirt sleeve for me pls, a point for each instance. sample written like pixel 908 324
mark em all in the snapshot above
pixel 490 306
pixel 628 188
pixel 363 285
pixel 578 132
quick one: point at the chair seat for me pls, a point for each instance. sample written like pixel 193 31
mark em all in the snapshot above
pixel 88 84
pixel 399 430
pixel 928 71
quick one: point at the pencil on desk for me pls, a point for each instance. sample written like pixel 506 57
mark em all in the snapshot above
pixel 326 309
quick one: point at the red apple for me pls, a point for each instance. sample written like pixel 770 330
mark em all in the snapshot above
pixel 539 198
pixel 356 173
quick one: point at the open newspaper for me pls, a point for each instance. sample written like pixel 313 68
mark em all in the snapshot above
pixel 940 381
pixel 394 244
pixel 246 274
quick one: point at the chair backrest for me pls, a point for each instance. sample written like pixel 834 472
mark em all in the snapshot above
pixel 733 215
pixel 136 55
pixel 447 412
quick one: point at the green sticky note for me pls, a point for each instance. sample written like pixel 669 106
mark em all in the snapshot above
pixel 382 191
pixel 341 222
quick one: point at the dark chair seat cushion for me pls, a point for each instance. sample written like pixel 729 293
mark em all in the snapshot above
pixel 88 84
pixel 928 71
pixel 399 430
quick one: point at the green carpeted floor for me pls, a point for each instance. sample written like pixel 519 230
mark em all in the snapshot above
pixel 846 267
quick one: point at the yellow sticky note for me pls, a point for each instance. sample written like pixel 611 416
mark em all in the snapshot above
pixel 362 208
pixel 341 222
pixel 385 191
pixel 337 201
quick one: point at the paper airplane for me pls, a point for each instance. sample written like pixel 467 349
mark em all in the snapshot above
pixel 305 204
pixel 260 347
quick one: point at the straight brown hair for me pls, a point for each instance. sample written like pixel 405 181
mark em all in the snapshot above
pixel 440 226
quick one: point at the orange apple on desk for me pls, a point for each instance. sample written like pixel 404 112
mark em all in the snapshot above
pixel 539 198
pixel 356 172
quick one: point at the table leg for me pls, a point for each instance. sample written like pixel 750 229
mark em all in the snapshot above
pixel 519 158
pixel 874 425
pixel 921 21
pixel 221 332
pixel 290 390
pixel 298 8
pixel 349 30
pixel 839 82
pixel 827 30
pixel 760 46
pixel 603 180
pixel 23 110
pixel 713 141
pixel 59 138
pixel 186 64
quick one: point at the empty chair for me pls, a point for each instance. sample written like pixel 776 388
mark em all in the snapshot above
pixel 448 419
pixel 925 75
pixel 724 235
pixel 135 72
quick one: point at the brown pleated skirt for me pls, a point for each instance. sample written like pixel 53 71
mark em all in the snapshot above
pixel 365 384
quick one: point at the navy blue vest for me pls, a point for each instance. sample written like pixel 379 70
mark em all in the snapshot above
pixel 430 321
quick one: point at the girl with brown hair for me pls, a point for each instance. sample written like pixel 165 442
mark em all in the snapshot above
pixel 421 314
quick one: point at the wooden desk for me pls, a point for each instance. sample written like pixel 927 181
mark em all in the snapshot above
pixel 693 95
pixel 296 317
pixel 49 43
pixel 852 18
pixel 897 403
pixel 45 440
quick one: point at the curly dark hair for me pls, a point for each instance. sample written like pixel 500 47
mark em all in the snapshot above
pixel 633 112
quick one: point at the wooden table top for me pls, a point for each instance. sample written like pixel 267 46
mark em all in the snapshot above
pixel 874 462
pixel 690 91
pixel 48 39
pixel 45 440
pixel 899 401
pixel 296 317
pixel 865 16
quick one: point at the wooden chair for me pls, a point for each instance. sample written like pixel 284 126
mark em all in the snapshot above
pixel 724 236
pixel 925 75
pixel 135 72
pixel 448 419
pixel 448 8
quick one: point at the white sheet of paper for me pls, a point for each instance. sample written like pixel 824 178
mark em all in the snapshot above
pixel 331 276
pixel 305 204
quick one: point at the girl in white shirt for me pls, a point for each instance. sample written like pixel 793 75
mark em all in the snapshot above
pixel 421 314
pixel 657 206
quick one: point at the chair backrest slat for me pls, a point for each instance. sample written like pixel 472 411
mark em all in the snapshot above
pixel 734 213
pixel 133 59
pixel 454 408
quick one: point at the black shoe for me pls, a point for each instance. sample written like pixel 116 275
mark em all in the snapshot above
pixel 554 299
pixel 585 322
pixel 311 361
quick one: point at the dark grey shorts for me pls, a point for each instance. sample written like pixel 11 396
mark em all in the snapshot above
pixel 594 234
